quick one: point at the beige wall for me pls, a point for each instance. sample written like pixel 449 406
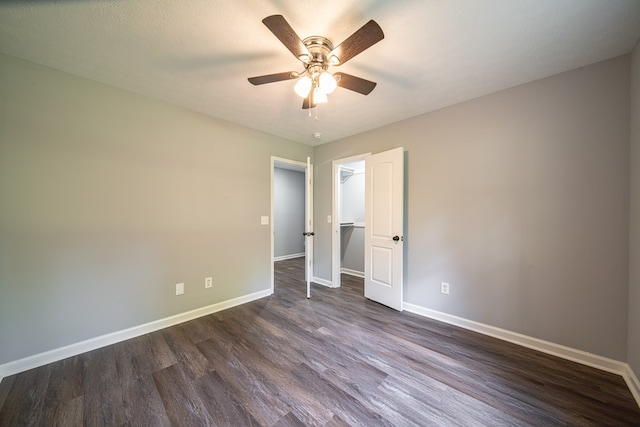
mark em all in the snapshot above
pixel 633 354
pixel 520 201
pixel 108 199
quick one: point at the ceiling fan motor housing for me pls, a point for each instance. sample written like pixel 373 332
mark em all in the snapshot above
pixel 319 47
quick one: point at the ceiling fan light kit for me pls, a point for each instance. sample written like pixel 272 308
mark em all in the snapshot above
pixel 319 96
pixel 327 83
pixel 303 86
pixel 317 54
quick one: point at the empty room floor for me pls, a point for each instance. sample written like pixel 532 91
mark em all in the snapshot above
pixel 336 359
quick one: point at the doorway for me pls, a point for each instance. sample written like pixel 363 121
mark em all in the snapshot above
pixel 291 215
pixel 348 218
pixel 383 227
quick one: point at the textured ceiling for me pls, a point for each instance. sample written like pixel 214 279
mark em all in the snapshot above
pixel 198 53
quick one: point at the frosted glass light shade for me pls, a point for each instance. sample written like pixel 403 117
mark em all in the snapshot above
pixel 327 83
pixel 319 96
pixel 303 86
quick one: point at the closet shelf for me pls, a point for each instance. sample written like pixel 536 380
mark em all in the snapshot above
pixel 352 224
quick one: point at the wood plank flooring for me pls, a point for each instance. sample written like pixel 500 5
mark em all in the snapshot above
pixel 334 360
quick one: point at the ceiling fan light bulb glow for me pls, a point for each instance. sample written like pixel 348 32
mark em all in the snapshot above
pixel 327 83
pixel 303 86
pixel 319 96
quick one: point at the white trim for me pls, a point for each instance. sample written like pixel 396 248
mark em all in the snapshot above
pixel 589 359
pixel 286 164
pixel 352 272
pixel 272 272
pixel 335 214
pixel 335 223
pixel 568 353
pixel 284 257
pixel 57 354
pixel 323 282
pixel 579 356
pixel 309 241
pixel 632 382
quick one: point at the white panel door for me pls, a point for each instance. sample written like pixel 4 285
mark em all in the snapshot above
pixel 384 225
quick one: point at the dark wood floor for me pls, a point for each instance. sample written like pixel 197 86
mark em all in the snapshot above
pixel 334 360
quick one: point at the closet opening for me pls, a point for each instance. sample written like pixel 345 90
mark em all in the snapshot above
pixel 348 218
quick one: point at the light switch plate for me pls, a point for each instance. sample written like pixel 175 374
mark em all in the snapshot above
pixel 180 289
pixel 328 219
pixel 264 220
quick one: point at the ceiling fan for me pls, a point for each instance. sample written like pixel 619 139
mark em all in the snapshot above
pixel 317 54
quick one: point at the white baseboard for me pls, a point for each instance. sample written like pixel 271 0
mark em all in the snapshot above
pixel 57 354
pixel 579 356
pixel 292 256
pixel 323 282
pixel 352 272
pixel 599 362
pixel 632 382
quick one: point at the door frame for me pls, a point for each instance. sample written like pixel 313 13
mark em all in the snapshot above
pixel 305 167
pixel 335 215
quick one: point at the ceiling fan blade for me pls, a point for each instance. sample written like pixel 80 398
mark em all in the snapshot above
pixel 354 83
pixel 368 35
pixel 270 78
pixel 283 31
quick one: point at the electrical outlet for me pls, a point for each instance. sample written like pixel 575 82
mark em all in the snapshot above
pixel 208 282
pixel 444 288
pixel 180 289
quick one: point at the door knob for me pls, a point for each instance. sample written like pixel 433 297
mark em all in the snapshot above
pixel 396 238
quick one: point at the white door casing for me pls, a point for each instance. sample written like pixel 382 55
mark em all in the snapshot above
pixel 335 226
pixel 308 247
pixel 384 227
pixel 308 169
